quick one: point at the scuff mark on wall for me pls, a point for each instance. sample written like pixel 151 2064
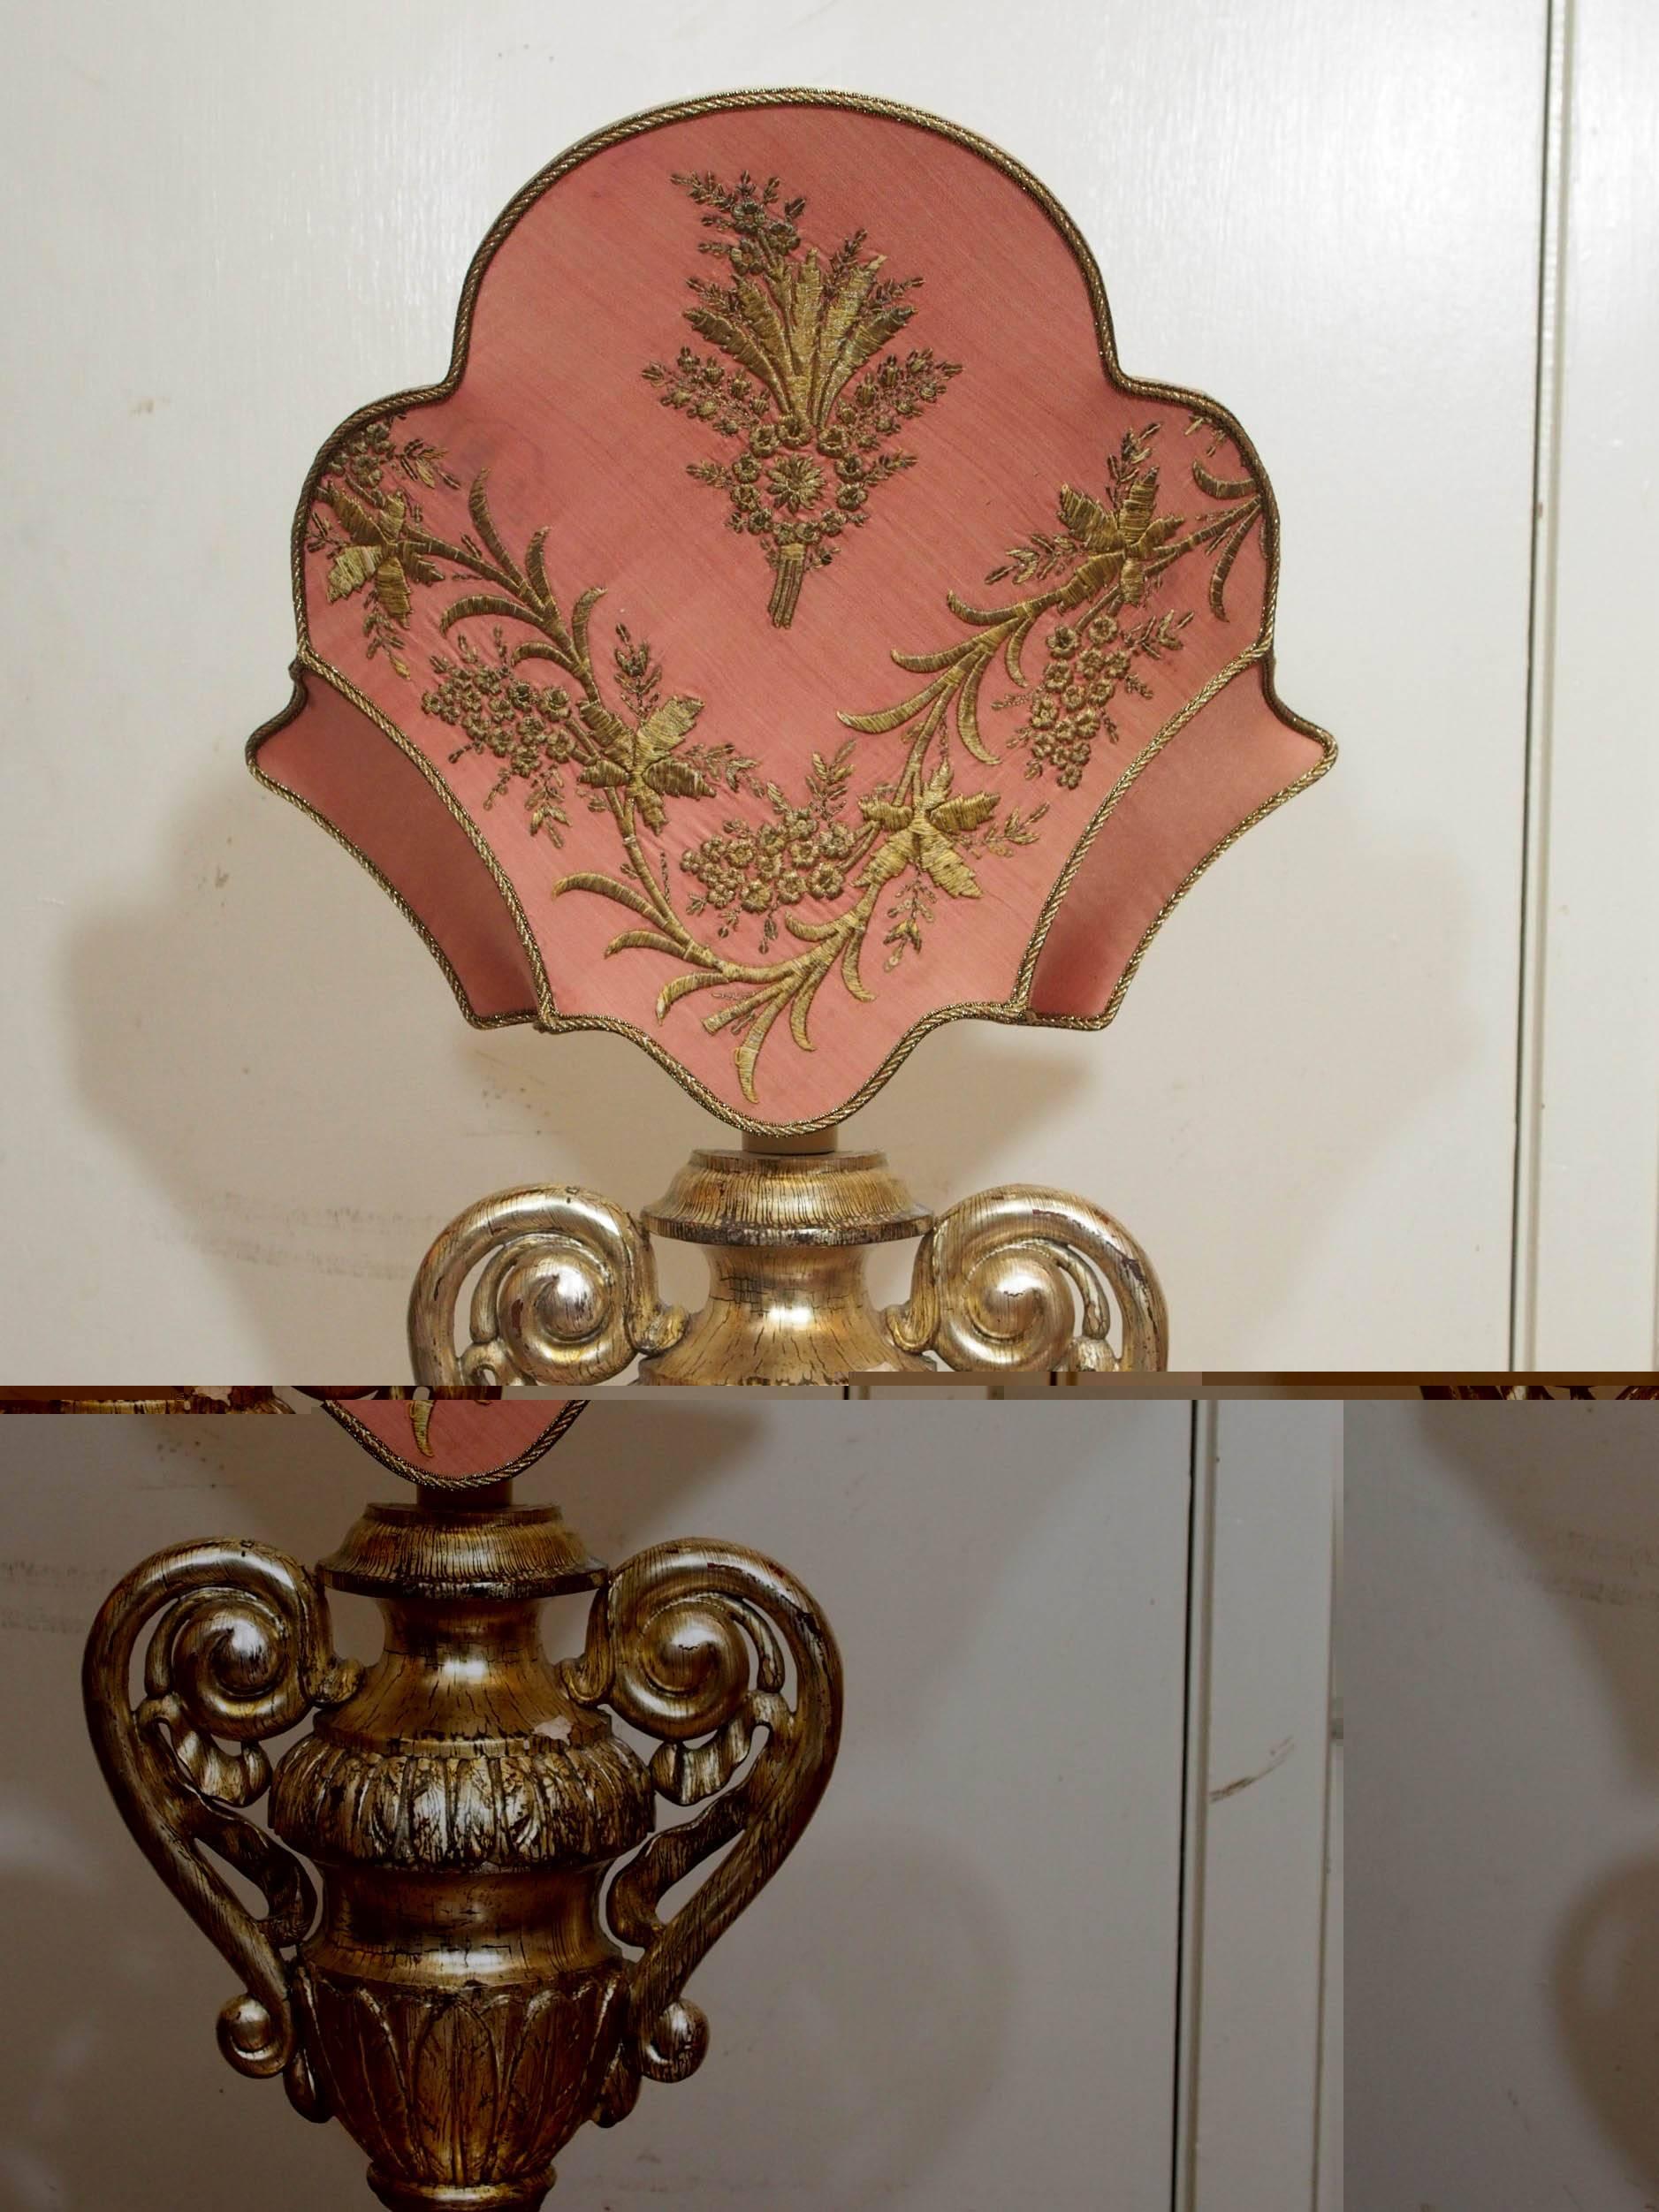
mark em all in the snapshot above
pixel 1594 1569
pixel 1276 1757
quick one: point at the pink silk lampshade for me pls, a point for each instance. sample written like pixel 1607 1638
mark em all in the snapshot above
pixel 786 628
pixel 452 1443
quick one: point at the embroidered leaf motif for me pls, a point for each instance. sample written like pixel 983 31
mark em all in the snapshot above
pixel 741 346
pixel 363 525
pixel 391 589
pixel 662 731
pixel 610 732
pixel 372 535
pixel 941 860
pixel 353 566
pixel 957 815
pixel 1109 555
pixel 679 779
pixel 885 816
pixel 1086 518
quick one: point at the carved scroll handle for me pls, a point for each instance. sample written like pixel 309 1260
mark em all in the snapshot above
pixel 689 1641
pixel 567 1292
pixel 240 1652
pixel 1023 1277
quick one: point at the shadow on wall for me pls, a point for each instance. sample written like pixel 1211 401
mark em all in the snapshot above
pixel 273 1043
pixel 122 1992
pixel 270 1040
pixel 1601 1560
pixel 894 2010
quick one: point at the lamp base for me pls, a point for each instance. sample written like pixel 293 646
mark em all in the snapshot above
pixel 1017 1278
pixel 451 1986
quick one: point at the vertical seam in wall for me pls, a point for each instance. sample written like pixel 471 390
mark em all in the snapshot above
pixel 1325 1875
pixel 1194 1802
pixel 1540 722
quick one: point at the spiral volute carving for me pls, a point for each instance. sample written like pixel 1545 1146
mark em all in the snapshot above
pixel 240 1651
pixel 1024 1277
pixel 693 1644
pixel 565 1293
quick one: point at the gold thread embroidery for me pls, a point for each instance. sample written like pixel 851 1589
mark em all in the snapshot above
pixel 809 414
pixel 912 837
pixel 365 529
pixel 1108 556
pixel 1016 1010
pixel 634 763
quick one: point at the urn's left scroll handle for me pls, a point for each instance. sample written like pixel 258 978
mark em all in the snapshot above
pixel 565 1292
pixel 703 1641
pixel 239 1650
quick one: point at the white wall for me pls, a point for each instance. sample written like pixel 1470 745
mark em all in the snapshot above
pixel 959 1992
pixel 239 1101
pixel 1502 1888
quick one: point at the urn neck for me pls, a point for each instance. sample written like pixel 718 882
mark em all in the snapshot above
pixel 784 1234
pixel 439 1549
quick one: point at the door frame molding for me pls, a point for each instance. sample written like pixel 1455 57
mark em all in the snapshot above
pixel 1261 1591
pixel 1585 1288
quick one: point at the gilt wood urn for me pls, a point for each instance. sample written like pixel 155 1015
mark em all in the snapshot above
pixel 462 1955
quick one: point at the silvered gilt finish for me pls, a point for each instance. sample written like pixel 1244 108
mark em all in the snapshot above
pixel 996 1277
pixel 565 1292
pixel 1019 1278
pixel 458 1998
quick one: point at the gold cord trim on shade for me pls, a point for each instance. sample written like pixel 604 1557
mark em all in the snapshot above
pixel 1015 1010
pixel 382 1451
pixel 307 663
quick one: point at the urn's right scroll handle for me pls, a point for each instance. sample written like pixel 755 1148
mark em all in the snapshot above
pixel 1027 1278
pixel 688 1641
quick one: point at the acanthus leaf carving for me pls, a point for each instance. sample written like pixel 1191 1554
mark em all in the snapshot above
pixel 461 2090
pixel 536 1802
